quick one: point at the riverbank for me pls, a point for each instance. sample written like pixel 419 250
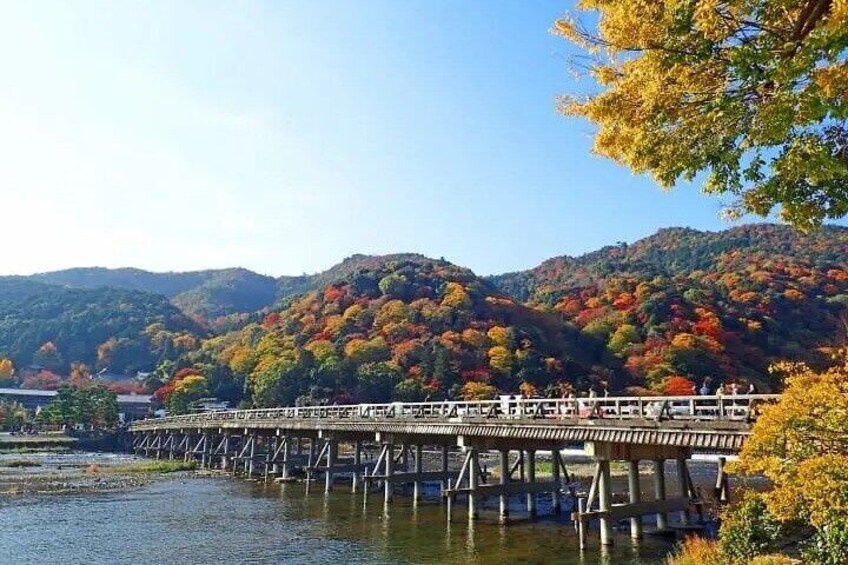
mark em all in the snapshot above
pixel 42 441
pixel 29 472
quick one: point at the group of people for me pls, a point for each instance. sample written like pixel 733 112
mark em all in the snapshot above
pixel 733 389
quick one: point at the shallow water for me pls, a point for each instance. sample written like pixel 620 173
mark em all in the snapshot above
pixel 188 520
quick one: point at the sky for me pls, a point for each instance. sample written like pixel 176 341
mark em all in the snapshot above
pixel 285 136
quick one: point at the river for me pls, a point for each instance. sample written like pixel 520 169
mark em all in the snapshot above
pixel 203 520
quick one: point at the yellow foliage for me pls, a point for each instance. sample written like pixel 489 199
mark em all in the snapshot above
pixel 501 359
pixel 456 296
pixel 352 312
pixel 801 445
pixel 500 335
pixel 392 311
pixel 684 341
pixel 322 349
pixel 7 368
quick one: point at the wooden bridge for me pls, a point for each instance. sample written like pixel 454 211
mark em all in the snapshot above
pixel 382 445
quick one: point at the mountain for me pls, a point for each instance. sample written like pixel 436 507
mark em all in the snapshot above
pixel 403 327
pixel 678 307
pixel 207 294
pixel 107 328
pixel 214 293
pixel 675 251
pixel 723 305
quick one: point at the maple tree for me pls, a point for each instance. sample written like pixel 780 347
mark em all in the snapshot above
pixel 752 92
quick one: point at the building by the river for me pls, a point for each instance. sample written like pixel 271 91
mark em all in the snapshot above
pixel 130 406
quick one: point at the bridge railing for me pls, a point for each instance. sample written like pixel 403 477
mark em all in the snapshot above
pixel 694 408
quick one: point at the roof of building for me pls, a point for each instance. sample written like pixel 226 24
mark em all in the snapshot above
pixel 122 398
pixel 26 392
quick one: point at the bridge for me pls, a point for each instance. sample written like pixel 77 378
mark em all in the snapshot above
pixel 382 446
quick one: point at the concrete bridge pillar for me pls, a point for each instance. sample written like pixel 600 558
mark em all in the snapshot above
pixel 504 480
pixel 357 462
pixel 683 479
pixel 531 478
pixel 473 481
pixel 313 453
pixel 635 497
pixel 332 451
pixel 445 466
pixel 556 498
pixel 659 492
pixel 605 501
pixel 722 488
pixel 388 486
pixel 419 468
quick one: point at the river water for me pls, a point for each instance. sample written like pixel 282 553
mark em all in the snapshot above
pixel 204 520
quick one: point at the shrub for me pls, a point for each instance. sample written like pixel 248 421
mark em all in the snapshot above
pixel 829 546
pixel 697 551
pixel 748 530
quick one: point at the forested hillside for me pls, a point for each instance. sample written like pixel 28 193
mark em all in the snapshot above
pixel 698 304
pixel 106 328
pixel 403 328
pixel 673 309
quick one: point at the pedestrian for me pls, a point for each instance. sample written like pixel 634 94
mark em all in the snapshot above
pixel 705 387
pixel 752 388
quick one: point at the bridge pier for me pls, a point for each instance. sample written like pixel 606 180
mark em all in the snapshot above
pixel 635 492
pixel 683 479
pixel 504 480
pixel 531 480
pixel 659 492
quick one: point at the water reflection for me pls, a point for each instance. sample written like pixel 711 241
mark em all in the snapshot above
pixel 221 520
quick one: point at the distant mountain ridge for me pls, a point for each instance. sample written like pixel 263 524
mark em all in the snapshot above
pixel 217 292
pixel 679 303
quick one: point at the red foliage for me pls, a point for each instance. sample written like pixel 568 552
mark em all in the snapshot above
pixel 271 320
pixel 43 380
pixel 479 375
pixel 678 386
pixel 334 293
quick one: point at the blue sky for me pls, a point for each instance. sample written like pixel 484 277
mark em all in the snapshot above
pixel 284 136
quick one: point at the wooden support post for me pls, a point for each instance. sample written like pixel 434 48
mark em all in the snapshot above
pixel 635 497
pixel 556 498
pixel 683 478
pixel 605 501
pixel 226 450
pixel 659 492
pixel 581 523
pixel 332 449
pixel 313 448
pixel 531 478
pixel 357 461
pixel 504 497
pixel 521 466
pixel 473 481
pixel 722 488
pixel 252 455
pixel 388 486
pixel 270 450
pixel 445 466
pixel 419 467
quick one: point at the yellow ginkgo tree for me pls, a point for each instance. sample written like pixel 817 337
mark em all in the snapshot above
pixel 801 445
pixel 753 93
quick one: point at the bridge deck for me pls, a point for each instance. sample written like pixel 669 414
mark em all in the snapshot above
pixel 719 423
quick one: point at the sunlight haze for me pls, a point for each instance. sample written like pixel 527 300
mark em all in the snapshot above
pixel 283 137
